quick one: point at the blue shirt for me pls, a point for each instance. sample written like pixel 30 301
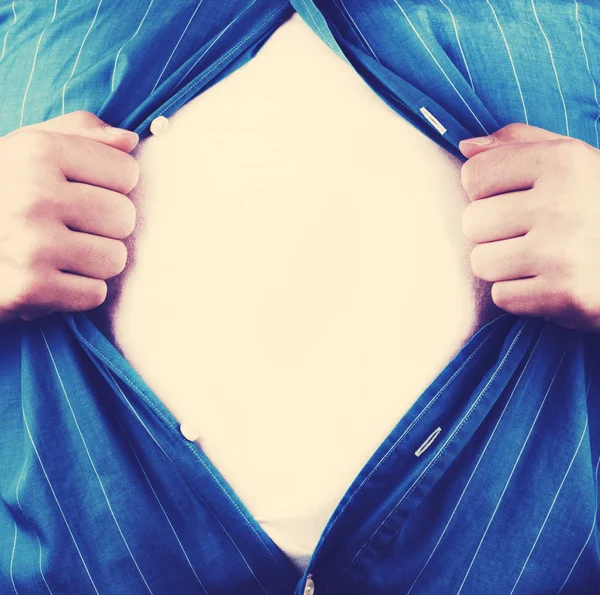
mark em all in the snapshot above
pixel 100 493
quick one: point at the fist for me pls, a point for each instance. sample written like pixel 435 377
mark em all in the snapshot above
pixel 64 212
pixel 535 219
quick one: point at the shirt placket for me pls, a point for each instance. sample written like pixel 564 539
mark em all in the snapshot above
pixel 415 455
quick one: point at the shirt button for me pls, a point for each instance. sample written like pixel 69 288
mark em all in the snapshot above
pixel 189 432
pixel 309 588
pixel 159 126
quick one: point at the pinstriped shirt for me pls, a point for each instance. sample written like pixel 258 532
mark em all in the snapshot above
pixel 488 484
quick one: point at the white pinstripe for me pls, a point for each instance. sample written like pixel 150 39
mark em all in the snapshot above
pixel 213 42
pixel 478 461
pixel 105 361
pixel 8 31
pixel 553 66
pixel 550 509
pixel 410 427
pixel 511 60
pixel 31 524
pixel 178 98
pixel 440 67
pixel 458 41
pixel 156 495
pixel 176 46
pixel 112 84
pixel 590 534
pixel 34 61
pixel 57 502
pixel 514 467
pixel 359 31
pixel 78 55
pixel 441 449
pixel 92 462
pixel 588 68
pixel 12 557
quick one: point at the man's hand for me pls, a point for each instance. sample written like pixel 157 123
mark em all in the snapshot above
pixel 63 213
pixel 535 217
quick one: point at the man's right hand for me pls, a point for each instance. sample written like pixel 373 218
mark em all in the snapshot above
pixel 63 214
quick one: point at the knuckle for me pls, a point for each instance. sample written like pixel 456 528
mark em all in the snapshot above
pixel 24 289
pixel 566 299
pixel 115 259
pixel 32 253
pixel 34 145
pixel 120 257
pixel 132 220
pixel 25 248
pixel 131 173
pixel 38 201
pixel 96 295
pixel 127 219
pixel 469 176
pixel 83 118
pixel 498 296
pixel 563 291
pixel 477 264
pixel 575 298
pixel 576 145
pixel 571 152
pixel 514 130
pixel 515 127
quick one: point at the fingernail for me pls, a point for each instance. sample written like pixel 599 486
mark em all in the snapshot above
pixel 480 140
pixel 119 131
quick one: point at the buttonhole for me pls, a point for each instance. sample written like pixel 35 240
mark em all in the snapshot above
pixel 428 442
pixel 433 120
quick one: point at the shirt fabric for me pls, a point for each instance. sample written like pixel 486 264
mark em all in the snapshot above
pixel 488 484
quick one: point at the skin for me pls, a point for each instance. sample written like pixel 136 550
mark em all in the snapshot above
pixel 534 217
pixel 65 214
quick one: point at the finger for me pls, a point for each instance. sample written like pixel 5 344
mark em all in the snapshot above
pixel 507 168
pixel 73 293
pixel 52 290
pixel 505 259
pixel 499 217
pixel 84 160
pixel 88 125
pixel 95 210
pixel 530 297
pixel 516 132
pixel 89 255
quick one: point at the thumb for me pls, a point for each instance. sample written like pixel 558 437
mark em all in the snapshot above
pixel 512 133
pixel 88 125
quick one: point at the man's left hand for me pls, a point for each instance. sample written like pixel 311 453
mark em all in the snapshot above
pixel 535 217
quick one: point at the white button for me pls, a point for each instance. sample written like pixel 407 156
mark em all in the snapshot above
pixel 189 432
pixel 159 125
pixel 309 588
